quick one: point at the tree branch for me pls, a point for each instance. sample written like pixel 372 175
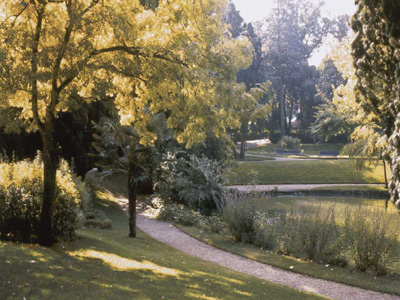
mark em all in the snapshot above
pixel 130 50
pixel 34 66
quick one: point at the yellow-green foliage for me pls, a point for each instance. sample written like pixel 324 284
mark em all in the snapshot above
pixel 21 190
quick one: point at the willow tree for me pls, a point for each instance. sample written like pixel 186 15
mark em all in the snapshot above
pixel 167 56
pixel 376 51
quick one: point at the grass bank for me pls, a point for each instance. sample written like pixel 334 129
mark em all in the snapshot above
pixel 106 264
pixel 389 284
pixel 306 172
pixel 308 149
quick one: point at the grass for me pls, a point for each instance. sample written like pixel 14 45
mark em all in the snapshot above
pixel 367 188
pixel 308 149
pixel 250 157
pixel 106 264
pixel 288 202
pixel 303 172
pixel 388 284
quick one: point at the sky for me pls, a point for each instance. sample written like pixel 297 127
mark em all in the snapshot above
pixel 256 10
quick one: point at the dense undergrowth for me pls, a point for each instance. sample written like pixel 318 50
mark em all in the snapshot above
pixel 361 238
pixel 21 193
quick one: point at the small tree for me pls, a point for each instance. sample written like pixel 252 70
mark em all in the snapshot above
pixel 145 53
pixel 120 151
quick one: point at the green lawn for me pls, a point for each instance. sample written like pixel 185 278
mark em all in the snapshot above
pixel 367 188
pixel 382 284
pixel 308 149
pixel 297 172
pixel 288 202
pixel 250 157
pixel 106 264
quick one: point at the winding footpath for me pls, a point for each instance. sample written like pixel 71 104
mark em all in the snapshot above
pixel 170 235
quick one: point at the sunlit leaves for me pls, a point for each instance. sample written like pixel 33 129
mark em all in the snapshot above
pixel 180 60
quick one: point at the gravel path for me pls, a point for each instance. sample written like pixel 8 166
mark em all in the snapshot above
pixel 291 187
pixel 174 237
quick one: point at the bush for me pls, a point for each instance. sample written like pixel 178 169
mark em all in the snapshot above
pixel 268 230
pixel 365 239
pixel 213 224
pixel 312 233
pixel 195 182
pixel 97 219
pixel 288 142
pixel 370 237
pixel 179 214
pixel 241 219
pixel 21 193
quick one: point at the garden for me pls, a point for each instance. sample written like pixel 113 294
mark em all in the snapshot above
pixel 187 150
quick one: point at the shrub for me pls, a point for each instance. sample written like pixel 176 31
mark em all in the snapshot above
pixel 19 212
pixel 84 191
pixel 366 237
pixel 268 229
pixel 196 182
pixel 179 214
pixel 241 219
pixel 312 233
pixel 21 193
pixel 370 236
pixel 213 224
pixel 97 219
pixel 288 142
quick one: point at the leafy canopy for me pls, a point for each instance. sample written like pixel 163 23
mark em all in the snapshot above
pixel 170 56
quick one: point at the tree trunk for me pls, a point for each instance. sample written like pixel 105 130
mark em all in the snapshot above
pixel 132 202
pixel 50 163
pixel 384 170
pixel 290 118
pixel 386 184
pixel 242 142
pixel 282 111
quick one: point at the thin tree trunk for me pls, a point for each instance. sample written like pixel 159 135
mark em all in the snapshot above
pixel 384 170
pixel 290 118
pixel 132 202
pixel 50 163
pixel 242 142
pixel 282 111
pixel 386 184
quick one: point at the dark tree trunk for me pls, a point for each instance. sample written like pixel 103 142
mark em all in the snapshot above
pixel 282 111
pixel 50 163
pixel 290 118
pixel 234 151
pixel 386 184
pixel 132 201
pixel 243 139
pixel 384 170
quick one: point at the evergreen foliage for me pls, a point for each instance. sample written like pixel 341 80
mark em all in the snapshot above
pixel 375 51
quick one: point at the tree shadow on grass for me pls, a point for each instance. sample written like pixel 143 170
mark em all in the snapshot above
pixel 106 264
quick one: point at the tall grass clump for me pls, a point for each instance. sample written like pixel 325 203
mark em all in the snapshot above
pixel 241 216
pixel 21 194
pixel 370 236
pixel 361 238
pixel 312 234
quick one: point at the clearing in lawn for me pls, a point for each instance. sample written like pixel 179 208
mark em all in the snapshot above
pixel 303 171
pixel 389 284
pixel 106 264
